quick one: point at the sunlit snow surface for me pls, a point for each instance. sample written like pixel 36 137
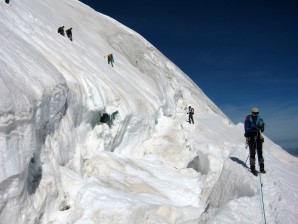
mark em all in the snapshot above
pixel 82 142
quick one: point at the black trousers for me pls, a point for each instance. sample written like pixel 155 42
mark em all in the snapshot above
pixel 256 146
pixel 191 118
pixel 69 36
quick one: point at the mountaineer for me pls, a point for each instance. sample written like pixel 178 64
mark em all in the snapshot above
pixel 190 113
pixel 110 59
pixel 254 126
pixel 61 30
pixel 69 33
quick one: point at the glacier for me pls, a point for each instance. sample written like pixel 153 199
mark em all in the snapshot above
pixel 84 142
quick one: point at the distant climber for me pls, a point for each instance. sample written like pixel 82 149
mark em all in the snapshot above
pixel 61 30
pixel 69 33
pixel 7 1
pixel 254 126
pixel 110 59
pixel 190 113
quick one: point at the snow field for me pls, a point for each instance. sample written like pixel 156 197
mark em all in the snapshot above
pixel 82 142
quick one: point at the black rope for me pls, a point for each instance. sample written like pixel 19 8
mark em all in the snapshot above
pixel 261 184
pixel 262 198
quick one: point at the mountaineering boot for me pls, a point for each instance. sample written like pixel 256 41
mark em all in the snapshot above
pixel 253 170
pixel 262 170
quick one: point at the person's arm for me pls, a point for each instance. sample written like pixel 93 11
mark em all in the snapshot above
pixel 261 125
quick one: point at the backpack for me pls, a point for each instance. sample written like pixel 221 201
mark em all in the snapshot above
pixel 191 111
pixel 248 118
pixel 259 122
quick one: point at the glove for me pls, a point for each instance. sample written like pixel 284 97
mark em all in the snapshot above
pixel 261 126
pixel 254 129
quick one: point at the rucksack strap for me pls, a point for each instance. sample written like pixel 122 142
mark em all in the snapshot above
pixel 255 122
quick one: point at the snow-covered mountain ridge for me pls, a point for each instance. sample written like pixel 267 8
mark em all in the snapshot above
pixel 84 142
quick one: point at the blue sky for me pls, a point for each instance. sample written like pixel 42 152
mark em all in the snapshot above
pixel 240 53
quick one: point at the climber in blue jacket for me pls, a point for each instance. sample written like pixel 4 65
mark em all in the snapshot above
pixel 254 126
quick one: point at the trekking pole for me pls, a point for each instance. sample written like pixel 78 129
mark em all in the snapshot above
pixel 247 158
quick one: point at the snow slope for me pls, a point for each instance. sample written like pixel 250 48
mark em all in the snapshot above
pixel 82 142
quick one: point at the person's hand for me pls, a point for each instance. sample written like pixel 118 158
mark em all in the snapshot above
pixel 255 128
pixel 261 126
